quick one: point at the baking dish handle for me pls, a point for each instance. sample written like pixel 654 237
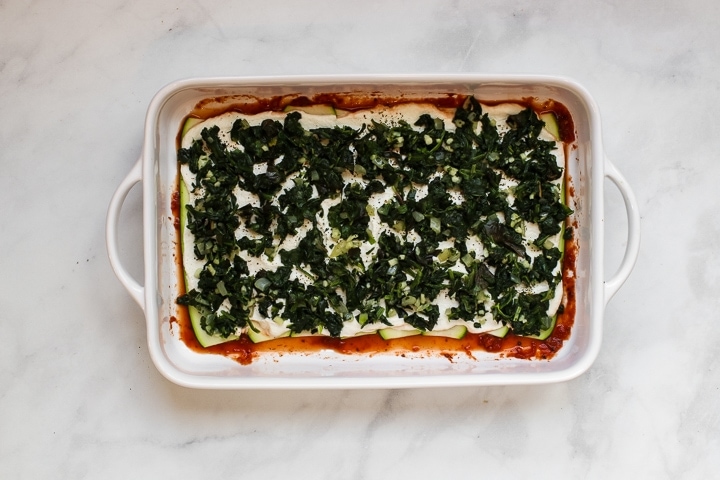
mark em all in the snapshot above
pixel 633 244
pixel 136 290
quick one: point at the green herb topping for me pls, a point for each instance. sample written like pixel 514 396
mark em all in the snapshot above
pixel 458 202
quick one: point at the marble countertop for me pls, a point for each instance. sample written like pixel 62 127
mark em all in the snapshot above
pixel 79 395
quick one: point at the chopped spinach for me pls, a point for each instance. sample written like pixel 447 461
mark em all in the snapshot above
pixel 447 189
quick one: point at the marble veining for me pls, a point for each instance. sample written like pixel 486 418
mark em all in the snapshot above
pixel 79 395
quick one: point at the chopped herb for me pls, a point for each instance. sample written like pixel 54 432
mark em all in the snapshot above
pixel 447 193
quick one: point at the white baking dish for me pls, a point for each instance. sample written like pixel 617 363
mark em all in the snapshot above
pixel 157 170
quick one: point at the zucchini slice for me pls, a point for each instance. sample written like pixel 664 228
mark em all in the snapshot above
pixel 258 337
pixel 189 123
pixel 319 109
pixel 561 246
pixel 551 124
pixel 545 333
pixel 204 338
pixel 390 333
pixel 457 332
pixel 500 332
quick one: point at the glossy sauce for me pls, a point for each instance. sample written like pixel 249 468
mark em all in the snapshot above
pixel 212 107
pixel 244 351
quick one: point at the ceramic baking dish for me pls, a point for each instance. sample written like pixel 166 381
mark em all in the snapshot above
pixel 157 170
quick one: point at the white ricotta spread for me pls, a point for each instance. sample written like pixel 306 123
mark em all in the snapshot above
pixel 410 112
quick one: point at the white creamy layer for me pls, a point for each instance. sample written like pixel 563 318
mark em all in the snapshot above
pixel 388 115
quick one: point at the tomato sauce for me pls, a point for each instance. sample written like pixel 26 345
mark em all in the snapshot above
pixel 250 105
pixel 244 351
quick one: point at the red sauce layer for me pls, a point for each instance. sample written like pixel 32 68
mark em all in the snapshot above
pixel 212 107
pixel 244 351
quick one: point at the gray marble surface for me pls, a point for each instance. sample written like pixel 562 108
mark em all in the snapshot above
pixel 79 395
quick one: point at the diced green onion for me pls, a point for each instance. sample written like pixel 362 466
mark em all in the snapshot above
pixel 449 255
pixel 408 301
pixel 262 284
pixel 467 259
pixel 435 224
